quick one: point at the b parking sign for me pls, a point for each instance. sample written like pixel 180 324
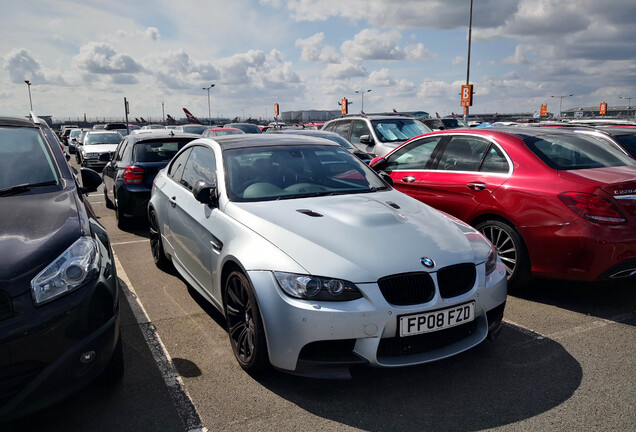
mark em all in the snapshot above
pixel 467 95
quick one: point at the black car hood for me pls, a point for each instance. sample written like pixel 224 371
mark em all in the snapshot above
pixel 34 230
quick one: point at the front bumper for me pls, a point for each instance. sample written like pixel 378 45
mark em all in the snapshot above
pixel 326 338
pixel 41 347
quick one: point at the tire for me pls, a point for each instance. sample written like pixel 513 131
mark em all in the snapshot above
pixel 114 371
pixel 122 221
pixel 244 324
pixel 511 250
pixel 109 203
pixel 156 245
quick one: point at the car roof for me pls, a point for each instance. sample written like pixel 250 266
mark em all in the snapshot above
pixel 160 134
pixel 263 140
pixel 16 121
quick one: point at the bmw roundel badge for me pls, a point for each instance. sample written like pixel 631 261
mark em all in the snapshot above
pixel 427 262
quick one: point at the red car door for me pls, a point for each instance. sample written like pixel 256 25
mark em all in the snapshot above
pixel 463 175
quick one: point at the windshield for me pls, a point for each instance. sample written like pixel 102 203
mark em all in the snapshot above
pixel 25 159
pixel 393 130
pixel 195 129
pixel 575 151
pixel 102 138
pixel 335 138
pixel 287 172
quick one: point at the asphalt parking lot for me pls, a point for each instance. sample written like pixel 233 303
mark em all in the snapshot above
pixel 565 360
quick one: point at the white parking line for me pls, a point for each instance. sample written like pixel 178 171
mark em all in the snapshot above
pixel 183 403
pixel 130 242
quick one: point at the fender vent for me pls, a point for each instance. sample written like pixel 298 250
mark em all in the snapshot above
pixel 309 212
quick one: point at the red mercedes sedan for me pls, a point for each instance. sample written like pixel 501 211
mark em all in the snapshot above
pixel 555 203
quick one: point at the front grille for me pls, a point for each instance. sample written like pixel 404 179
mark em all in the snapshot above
pixel 456 279
pixel 5 306
pixel 423 343
pixel 16 377
pixel 407 288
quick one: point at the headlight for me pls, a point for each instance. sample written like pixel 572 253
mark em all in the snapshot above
pixel 491 260
pixel 69 271
pixel 317 288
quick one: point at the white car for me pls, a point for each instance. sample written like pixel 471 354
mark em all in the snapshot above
pixel 95 144
pixel 316 262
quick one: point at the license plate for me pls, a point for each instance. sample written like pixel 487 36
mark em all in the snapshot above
pixel 437 320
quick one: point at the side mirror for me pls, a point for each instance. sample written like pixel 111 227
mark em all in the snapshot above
pixel 205 193
pixel 90 180
pixel 366 139
pixel 378 163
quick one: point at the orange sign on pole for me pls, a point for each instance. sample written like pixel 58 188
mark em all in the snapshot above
pixel 344 106
pixel 276 109
pixel 467 95
pixel 603 109
pixel 544 110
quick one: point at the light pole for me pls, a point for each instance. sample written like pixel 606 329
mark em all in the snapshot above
pixel 561 102
pixel 628 100
pixel 362 92
pixel 209 113
pixel 28 83
pixel 470 33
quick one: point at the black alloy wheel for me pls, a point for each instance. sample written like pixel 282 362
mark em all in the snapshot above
pixel 244 324
pixel 511 250
pixel 156 245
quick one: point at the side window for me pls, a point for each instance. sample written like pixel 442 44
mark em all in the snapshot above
pixel 414 155
pixel 120 150
pixel 330 127
pixel 358 128
pixel 127 156
pixel 176 169
pixel 343 128
pixel 463 153
pixel 200 166
pixel 495 161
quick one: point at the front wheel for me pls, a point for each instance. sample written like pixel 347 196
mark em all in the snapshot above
pixel 511 250
pixel 244 324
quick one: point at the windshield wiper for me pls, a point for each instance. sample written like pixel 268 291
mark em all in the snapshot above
pixel 24 187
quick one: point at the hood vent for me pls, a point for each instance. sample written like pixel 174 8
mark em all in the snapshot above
pixel 309 212
pixel 394 205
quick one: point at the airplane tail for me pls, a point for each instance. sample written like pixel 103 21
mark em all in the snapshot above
pixel 143 120
pixel 437 114
pixel 190 117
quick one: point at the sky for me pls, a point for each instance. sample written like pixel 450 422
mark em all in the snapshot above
pixel 84 58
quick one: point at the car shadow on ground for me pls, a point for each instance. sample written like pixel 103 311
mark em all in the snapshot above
pixel 611 300
pixel 494 384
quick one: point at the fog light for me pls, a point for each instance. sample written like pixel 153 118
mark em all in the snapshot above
pixel 88 356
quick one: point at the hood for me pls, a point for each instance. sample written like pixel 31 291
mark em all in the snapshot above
pixel 360 237
pixel 99 148
pixel 35 229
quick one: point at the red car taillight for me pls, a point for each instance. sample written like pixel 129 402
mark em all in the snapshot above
pixel 593 208
pixel 133 174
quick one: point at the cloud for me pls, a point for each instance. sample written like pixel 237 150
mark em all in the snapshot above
pixel 418 53
pixel 101 58
pixel 343 71
pixel 381 78
pixel 152 33
pixel 312 50
pixel 372 44
pixel 21 66
pixel 518 58
pixel 176 70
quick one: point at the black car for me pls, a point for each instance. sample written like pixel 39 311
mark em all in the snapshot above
pixel 59 299
pixel 245 127
pixel 129 173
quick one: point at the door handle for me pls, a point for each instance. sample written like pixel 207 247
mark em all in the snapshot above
pixel 476 186
pixel 173 201
pixel 408 179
